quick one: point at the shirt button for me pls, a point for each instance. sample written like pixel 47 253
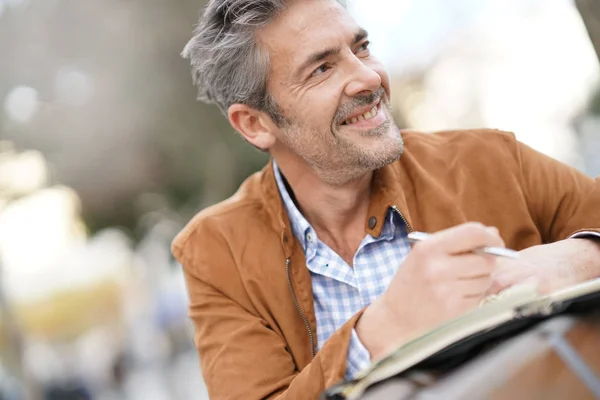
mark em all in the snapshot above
pixel 372 222
pixel 309 236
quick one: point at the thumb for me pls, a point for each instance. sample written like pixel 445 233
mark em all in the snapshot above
pixel 509 277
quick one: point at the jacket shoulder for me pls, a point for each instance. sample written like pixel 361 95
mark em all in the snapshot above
pixel 475 147
pixel 463 137
pixel 231 212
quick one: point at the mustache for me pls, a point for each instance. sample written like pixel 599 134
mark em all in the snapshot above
pixel 346 109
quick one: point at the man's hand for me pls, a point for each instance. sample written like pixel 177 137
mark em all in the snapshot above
pixel 439 280
pixel 552 266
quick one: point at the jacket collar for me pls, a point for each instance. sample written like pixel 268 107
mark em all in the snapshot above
pixel 273 204
pixel 387 191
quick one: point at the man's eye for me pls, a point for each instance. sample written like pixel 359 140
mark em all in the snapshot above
pixel 363 47
pixel 320 70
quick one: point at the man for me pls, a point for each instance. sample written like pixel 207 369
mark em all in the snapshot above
pixel 305 275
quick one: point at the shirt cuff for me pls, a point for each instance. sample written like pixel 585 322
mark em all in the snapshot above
pixel 585 235
pixel 359 357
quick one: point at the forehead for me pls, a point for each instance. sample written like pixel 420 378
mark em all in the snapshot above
pixel 305 27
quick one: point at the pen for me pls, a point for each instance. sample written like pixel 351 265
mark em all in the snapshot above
pixel 414 237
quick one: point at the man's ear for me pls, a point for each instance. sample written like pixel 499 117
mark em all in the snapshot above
pixel 255 126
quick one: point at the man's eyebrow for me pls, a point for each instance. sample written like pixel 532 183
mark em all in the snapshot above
pixel 324 54
pixel 360 35
pixel 317 57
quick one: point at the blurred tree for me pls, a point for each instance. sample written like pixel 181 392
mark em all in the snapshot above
pixel 590 14
pixel 588 123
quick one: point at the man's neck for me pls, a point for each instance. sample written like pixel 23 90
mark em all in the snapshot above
pixel 337 213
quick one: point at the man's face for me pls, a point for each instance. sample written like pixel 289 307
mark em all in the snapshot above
pixel 333 93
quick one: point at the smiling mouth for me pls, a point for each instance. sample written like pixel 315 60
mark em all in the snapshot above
pixel 367 115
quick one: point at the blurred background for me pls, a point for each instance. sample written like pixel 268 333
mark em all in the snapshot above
pixel 105 155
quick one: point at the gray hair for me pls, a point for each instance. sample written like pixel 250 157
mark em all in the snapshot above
pixel 228 65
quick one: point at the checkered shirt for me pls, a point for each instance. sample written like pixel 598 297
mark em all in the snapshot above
pixel 339 290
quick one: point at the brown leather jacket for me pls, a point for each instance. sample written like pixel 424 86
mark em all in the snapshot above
pixel 250 291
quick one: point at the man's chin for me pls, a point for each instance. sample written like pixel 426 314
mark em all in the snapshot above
pixel 376 154
pixel 379 131
pixel 385 139
pixel 389 156
pixel 389 148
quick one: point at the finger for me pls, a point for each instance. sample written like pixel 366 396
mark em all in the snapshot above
pixel 495 288
pixel 467 266
pixel 493 230
pixel 504 282
pixel 474 288
pixel 463 238
pixel 508 271
pixel 507 279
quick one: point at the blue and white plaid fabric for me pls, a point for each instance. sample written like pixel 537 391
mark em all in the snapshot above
pixel 339 290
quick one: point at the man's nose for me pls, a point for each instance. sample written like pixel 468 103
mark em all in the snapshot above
pixel 363 79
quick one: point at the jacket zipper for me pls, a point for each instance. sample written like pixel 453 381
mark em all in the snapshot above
pixel 297 303
pixel 408 227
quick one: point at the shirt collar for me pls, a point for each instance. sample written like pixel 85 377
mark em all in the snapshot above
pixel 302 228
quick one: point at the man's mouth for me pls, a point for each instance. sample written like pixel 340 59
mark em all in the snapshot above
pixel 363 114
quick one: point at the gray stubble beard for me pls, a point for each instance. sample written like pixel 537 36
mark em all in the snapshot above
pixel 360 162
pixel 363 162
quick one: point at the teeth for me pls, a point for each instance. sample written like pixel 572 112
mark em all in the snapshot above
pixel 368 115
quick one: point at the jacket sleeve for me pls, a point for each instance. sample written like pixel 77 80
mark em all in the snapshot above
pixel 241 356
pixel 562 200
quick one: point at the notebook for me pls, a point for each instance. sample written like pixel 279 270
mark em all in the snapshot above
pixel 500 316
